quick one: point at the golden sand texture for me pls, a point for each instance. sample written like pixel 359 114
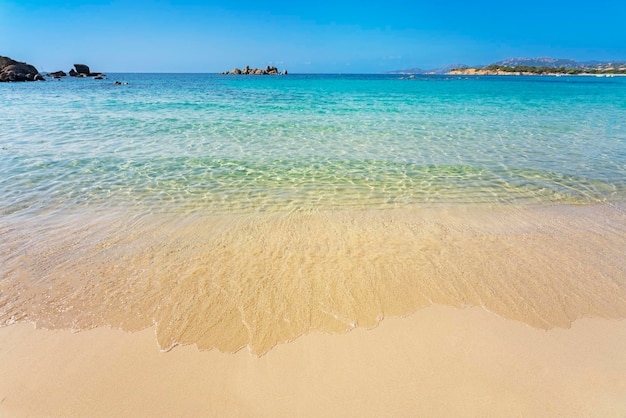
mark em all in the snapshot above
pixel 439 362
pixel 255 281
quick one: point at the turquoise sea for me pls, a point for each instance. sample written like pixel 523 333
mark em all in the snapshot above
pixel 245 211
pixel 217 143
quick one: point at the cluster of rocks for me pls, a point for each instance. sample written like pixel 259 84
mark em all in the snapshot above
pixel 11 70
pixel 79 70
pixel 269 70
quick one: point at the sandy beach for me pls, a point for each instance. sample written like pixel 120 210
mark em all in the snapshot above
pixel 455 312
pixel 440 361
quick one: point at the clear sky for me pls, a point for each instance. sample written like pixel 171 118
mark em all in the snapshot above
pixel 316 36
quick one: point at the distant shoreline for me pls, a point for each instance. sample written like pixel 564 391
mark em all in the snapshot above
pixel 536 71
pixel 489 73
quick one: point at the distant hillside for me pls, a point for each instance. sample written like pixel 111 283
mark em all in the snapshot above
pixel 609 70
pixel 537 62
pixel 603 66
pixel 541 62
pixel 547 62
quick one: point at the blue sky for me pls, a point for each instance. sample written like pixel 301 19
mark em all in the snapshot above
pixel 314 36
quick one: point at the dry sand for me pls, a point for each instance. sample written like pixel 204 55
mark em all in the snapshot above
pixel 440 361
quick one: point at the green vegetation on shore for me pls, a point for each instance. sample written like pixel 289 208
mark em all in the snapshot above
pixel 551 70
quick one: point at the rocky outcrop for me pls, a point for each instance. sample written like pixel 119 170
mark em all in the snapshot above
pixel 269 70
pixel 11 70
pixel 58 74
pixel 82 70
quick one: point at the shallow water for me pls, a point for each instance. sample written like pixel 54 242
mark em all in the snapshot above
pixel 236 211
pixel 222 144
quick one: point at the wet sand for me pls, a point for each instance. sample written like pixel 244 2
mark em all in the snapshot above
pixel 440 361
pixel 451 311
pixel 252 282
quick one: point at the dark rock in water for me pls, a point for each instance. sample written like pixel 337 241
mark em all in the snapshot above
pixel 58 74
pixel 82 69
pixel 269 70
pixel 11 70
pixel 98 77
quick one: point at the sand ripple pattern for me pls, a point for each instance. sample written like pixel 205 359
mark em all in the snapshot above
pixel 229 282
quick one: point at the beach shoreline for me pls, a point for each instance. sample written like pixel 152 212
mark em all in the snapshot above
pixel 440 361
pixel 518 311
pixel 257 281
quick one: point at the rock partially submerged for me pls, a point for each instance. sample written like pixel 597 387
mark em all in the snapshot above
pixel 58 74
pixel 11 70
pixel 269 70
pixel 82 70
